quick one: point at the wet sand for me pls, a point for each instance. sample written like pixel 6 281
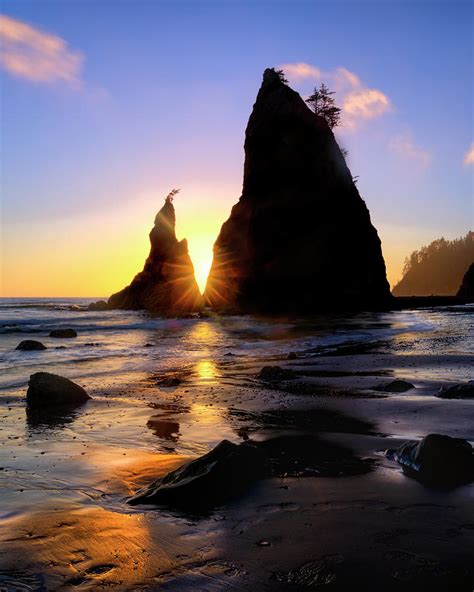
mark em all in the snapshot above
pixel 65 479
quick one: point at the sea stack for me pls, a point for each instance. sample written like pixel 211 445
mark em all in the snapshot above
pixel 466 291
pixel 167 284
pixel 300 238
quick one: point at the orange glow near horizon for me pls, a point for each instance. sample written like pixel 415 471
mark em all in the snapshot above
pixel 99 253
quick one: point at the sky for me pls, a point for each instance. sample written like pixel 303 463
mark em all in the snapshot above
pixel 108 105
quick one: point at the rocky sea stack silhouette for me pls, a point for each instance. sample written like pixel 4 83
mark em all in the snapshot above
pixel 300 238
pixel 466 291
pixel 167 284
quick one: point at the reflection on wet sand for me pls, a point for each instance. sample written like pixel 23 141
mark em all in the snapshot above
pixel 82 546
pixel 39 420
pixel 167 430
pixel 206 371
pixel 64 542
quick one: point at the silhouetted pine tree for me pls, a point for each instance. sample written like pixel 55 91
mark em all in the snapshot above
pixel 323 104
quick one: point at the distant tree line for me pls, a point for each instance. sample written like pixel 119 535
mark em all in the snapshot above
pixel 437 268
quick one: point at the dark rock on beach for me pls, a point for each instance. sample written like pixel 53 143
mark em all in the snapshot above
pixel 63 333
pixel 50 389
pixel 458 391
pixel 99 305
pixel 167 284
pixel 300 238
pixel 466 291
pixel 229 469
pixel 275 373
pixel 436 460
pixel 395 386
pixel 30 345
pixel 221 474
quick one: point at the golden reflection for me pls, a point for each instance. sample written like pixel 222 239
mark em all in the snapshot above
pixel 206 370
pixel 205 414
pixel 87 547
pixel 204 333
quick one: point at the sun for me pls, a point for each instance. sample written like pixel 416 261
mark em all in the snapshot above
pixel 200 251
pixel 202 267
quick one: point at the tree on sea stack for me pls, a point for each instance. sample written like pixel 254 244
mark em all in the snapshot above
pixel 171 195
pixel 323 104
pixel 282 77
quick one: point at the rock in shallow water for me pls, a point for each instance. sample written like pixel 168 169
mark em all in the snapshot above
pixel 458 391
pixel 50 389
pixel 99 305
pixel 396 386
pixel 63 333
pixel 223 473
pixel 436 460
pixel 30 345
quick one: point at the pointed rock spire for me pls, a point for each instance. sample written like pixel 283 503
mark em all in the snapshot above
pixel 167 284
pixel 300 238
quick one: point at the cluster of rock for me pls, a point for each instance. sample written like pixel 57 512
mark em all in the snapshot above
pixel 33 345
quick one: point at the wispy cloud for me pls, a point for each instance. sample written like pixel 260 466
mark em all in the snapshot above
pixel 37 56
pixel 405 146
pixel 358 102
pixel 300 71
pixel 469 156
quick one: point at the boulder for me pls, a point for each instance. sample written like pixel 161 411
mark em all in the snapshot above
pixel 46 389
pixel 458 391
pixel 221 474
pixel 63 333
pixel 99 305
pixel 395 386
pixel 300 239
pixel 30 345
pixel 466 290
pixel 167 284
pixel 436 460
pixel 275 373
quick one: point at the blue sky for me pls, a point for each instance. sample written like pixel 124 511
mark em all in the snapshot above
pixel 140 97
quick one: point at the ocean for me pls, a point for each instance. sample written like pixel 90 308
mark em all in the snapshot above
pixel 119 343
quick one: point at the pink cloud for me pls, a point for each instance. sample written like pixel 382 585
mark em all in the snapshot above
pixel 358 102
pixel 469 156
pixel 37 56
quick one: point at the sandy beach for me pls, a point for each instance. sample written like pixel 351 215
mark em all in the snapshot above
pixel 66 477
